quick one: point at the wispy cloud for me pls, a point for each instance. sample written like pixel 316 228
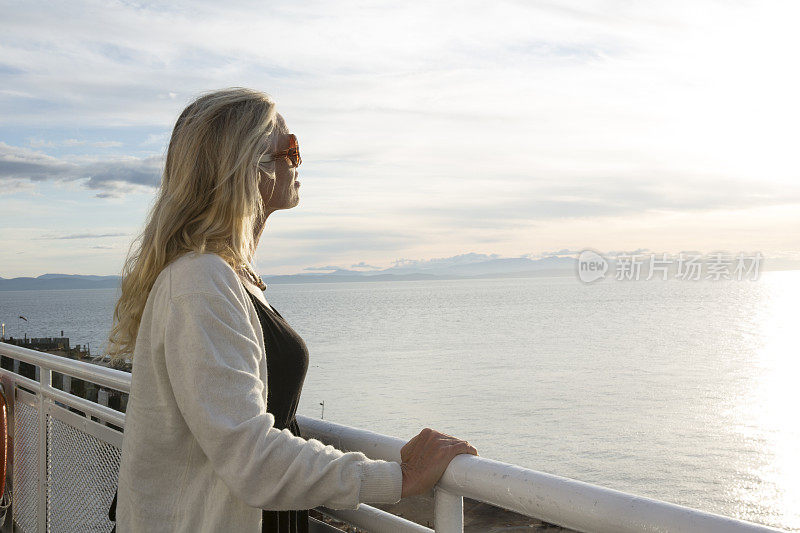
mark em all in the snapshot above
pixel 461 259
pixel 40 143
pixel 98 144
pixel 364 266
pixel 83 236
pixel 156 139
pixel 13 186
pixel 325 268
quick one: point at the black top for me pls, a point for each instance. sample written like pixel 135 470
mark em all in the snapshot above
pixel 287 363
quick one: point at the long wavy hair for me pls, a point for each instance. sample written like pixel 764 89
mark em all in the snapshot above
pixel 208 201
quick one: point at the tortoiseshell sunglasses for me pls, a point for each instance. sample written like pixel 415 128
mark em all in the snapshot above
pixel 292 154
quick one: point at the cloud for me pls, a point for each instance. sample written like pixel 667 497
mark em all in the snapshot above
pixel 124 175
pixel 592 198
pixel 625 253
pixel 461 259
pixel 12 186
pixel 364 266
pixel 22 163
pixel 106 144
pixel 40 143
pixel 335 238
pixel 557 253
pixel 325 268
pixel 98 144
pixel 83 236
pixel 111 177
pixel 159 139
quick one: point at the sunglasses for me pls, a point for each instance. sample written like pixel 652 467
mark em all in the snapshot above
pixel 292 154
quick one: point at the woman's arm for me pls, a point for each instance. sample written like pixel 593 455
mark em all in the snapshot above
pixel 212 357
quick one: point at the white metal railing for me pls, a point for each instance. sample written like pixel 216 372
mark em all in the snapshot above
pixel 40 415
pixel 565 502
pixel 65 458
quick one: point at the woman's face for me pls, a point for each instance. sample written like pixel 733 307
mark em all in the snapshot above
pixel 284 195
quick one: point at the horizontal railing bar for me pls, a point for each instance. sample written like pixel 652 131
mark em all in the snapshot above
pixel 374 445
pixel 31 399
pixel 375 520
pixel 86 425
pixel 578 505
pixel 101 375
pixel 32 384
pixel 106 414
pixel 562 501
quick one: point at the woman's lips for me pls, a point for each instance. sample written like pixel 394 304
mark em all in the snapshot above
pixel 296 183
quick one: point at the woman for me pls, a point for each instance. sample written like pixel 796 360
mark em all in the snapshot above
pixel 210 441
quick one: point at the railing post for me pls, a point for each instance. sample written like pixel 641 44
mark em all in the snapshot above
pixel 102 397
pixel 45 376
pixel 448 511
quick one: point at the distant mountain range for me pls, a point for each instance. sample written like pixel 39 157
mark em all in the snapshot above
pixel 59 281
pixel 460 266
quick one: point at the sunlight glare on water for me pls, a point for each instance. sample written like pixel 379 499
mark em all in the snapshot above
pixel 682 391
pixel 766 411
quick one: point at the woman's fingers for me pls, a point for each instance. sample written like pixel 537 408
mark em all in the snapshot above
pixel 423 435
pixel 425 458
pixel 464 447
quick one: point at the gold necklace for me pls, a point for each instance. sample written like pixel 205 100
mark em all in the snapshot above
pixel 255 277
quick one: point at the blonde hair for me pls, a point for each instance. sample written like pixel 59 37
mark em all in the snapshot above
pixel 209 199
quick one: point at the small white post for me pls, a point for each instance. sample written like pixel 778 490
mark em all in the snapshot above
pixel 44 376
pixel 448 511
pixel 102 397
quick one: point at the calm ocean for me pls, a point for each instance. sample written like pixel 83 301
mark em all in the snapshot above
pixel 678 390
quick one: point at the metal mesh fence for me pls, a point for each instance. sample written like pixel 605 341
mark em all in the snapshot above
pixel 82 472
pixel 26 466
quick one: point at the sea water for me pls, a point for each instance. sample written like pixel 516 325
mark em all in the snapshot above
pixel 685 391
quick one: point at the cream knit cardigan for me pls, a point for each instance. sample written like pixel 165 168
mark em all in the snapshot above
pixel 199 452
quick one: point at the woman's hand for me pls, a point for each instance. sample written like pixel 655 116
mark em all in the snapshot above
pixel 426 457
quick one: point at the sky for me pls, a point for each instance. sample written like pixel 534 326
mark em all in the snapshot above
pixel 427 129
